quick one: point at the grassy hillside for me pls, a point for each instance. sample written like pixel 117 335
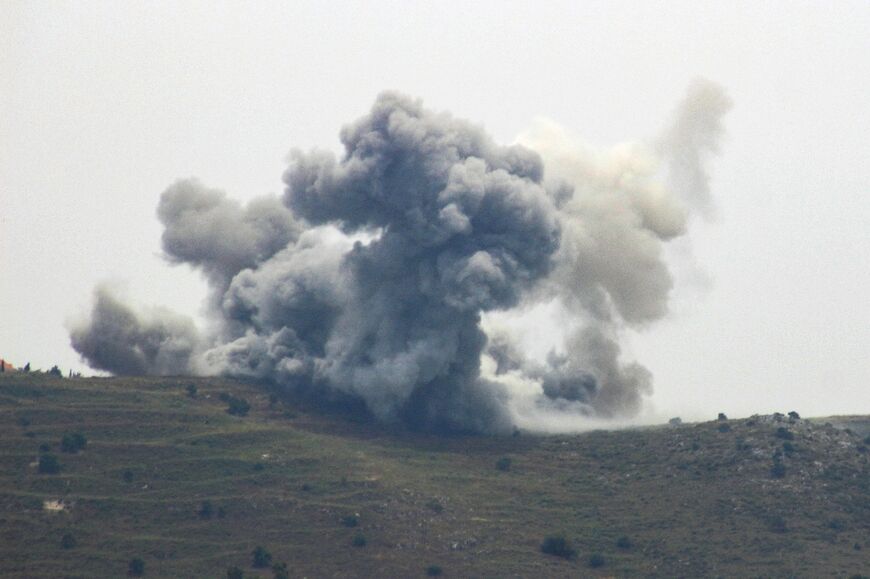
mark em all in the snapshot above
pixel 701 500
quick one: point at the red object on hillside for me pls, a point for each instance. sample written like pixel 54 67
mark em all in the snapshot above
pixel 7 366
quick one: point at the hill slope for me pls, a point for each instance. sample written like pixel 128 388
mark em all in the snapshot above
pixel 694 501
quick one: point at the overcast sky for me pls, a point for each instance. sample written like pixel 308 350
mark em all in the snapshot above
pixel 103 105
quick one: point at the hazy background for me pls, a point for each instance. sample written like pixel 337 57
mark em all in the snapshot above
pixel 102 105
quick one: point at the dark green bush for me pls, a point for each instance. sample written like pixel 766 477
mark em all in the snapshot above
pixel 788 448
pixel 359 540
pixel 237 406
pixel 784 433
pixel 55 371
pixel 48 464
pixel 624 542
pixel 191 390
pixel 721 416
pixel 558 546
pixel 235 573
pixel 777 470
pixel 206 510
pixel 72 443
pixel 127 476
pixel 280 571
pixel 434 571
pixel 44 447
pixel 261 558
pixel 350 521
pixel 503 464
pixel 435 506
pixel 136 567
pixel 596 560
pixel 68 541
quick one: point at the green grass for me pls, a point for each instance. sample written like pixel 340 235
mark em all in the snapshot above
pixel 691 501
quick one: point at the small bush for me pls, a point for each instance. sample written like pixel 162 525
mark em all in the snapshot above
pixel 45 447
pixel 837 525
pixel 435 506
pixel 206 510
pixel 784 433
pixel 191 390
pixel 235 573
pixel 72 443
pixel 503 464
pixel 261 558
pixel 68 541
pixel 434 571
pixel 788 448
pixel 777 524
pixel 48 464
pixel 359 540
pixel 596 560
pixel 136 567
pixel 724 427
pixel 794 415
pixel 675 421
pixel 350 521
pixel 557 546
pixel 624 542
pixel 127 476
pixel 777 470
pixel 55 371
pixel 237 406
pixel 721 416
pixel 280 571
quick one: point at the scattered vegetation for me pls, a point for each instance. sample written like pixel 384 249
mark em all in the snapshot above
pixel 68 541
pixel 359 540
pixel 596 560
pixel 503 464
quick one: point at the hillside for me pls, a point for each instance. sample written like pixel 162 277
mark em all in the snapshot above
pixel 697 500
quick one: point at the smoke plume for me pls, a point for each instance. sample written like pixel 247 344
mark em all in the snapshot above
pixel 389 274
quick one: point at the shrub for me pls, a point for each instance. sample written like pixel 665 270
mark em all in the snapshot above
pixel 435 506
pixel 721 416
pixel 837 525
pixel 48 464
pixel 724 427
pixel 136 567
pixel 788 448
pixel 127 476
pixel 261 557
pixel 206 510
pixel 794 415
pixel 558 546
pixel 777 470
pixel 503 464
pixel 784 433
pixel 867 440
pixel 359 540
pixel 72 443
pixel 623 542
pixel 68 541
pixel 55 371
pixel 235 573
pixel 434 571
pixel 44 447
pixel 237 406
pixel 596 560
pixel 350 521
pixel 280 571
pixel 191 390
pixel 777 524
pixel 676 421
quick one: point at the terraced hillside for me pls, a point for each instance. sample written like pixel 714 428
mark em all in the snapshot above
pixel 168 477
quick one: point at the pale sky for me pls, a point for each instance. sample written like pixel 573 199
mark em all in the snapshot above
pixel 103 105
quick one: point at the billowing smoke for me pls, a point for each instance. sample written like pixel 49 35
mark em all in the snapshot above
pixel 118 339
pixel 388 275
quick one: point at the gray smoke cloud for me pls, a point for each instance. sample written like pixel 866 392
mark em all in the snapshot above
pixel 381 275
pixel 125 342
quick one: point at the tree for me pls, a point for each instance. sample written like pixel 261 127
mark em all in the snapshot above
pixel 237 406
pixel 279 571
pixel 722 416
pixel 55 371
